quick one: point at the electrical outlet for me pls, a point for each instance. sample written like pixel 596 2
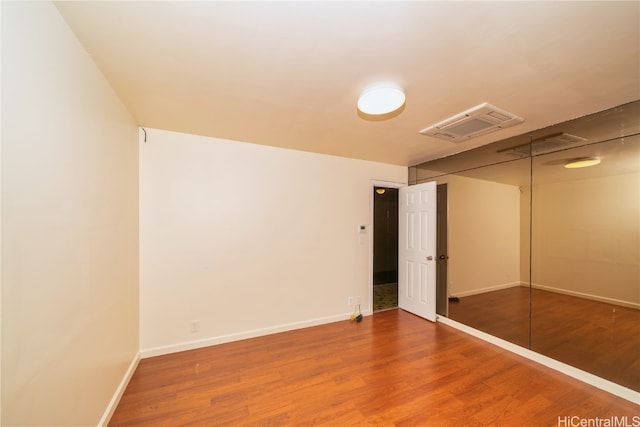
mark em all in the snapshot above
pixel 195 326
pixel 350 302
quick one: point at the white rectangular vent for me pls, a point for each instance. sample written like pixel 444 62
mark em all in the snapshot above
pixel 542 145
pixel 479 120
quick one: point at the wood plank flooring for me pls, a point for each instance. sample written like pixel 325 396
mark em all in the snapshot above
pixel 600 338
pixel 392 369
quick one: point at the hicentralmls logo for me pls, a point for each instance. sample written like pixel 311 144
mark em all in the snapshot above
pixel 575 421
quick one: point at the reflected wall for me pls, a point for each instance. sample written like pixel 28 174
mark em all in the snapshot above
pixel 548 257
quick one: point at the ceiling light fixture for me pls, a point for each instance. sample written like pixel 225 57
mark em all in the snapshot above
pixel 380 191
pixel 583 162
pixel 380 99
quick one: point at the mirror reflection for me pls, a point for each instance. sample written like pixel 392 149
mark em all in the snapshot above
pixel 548 256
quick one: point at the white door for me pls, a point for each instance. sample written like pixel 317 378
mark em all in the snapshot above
pixel 417 250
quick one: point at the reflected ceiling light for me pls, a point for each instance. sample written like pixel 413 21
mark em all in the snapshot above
pixel 382 98
pixel 583 162
pixel 380 190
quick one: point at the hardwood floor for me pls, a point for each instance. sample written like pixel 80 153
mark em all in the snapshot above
pixel 392 369
pixel 600 338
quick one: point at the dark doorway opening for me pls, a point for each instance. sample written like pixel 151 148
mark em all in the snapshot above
pixel 385 248
pixel 442 306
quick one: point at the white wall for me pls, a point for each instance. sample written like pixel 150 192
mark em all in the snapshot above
pixel 483 235
pixel 247 239
pixel 69 226
pixel 586 238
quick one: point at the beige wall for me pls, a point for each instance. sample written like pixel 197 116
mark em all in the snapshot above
pixel 248 239
pixel 69 226
pixel 525 235
pixel 586 237
pixel 0 228
pixel 483 235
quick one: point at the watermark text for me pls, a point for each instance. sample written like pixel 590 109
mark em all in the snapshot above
pixel 613 421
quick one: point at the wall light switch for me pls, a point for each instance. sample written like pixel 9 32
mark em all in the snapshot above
pixel 362 232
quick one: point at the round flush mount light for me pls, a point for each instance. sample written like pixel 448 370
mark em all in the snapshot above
pixel 383 98
pixel 583 162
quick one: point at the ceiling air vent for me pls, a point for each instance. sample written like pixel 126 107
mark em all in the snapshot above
pixel 545 144
pixel 479 120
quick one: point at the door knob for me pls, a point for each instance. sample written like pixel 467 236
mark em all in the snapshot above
pixel 429 258
pixel 442 257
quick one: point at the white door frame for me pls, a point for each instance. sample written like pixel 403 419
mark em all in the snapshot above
pixel 372 185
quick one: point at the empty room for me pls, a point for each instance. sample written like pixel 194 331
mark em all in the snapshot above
pixel 189 233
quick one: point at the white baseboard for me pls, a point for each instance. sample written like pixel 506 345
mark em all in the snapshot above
pixel 550 289
pixel 586 377
pixel 585 296
pixel 221 339
pixel 113 404
pixel 483 290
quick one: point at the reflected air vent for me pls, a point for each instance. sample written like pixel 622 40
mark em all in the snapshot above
pixel 553 142
pixel 479 120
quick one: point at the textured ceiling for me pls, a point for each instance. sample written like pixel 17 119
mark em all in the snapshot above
pixel 288 74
